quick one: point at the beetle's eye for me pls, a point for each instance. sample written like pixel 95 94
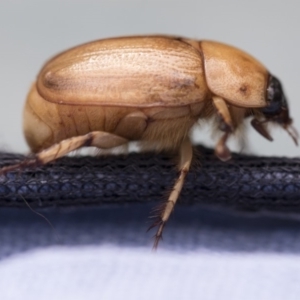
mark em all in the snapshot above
pixel 275 97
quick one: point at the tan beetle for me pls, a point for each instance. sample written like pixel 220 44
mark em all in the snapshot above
pixel 150 89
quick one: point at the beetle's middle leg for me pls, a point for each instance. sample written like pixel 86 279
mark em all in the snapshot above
pixel 186 155
pixel 100 139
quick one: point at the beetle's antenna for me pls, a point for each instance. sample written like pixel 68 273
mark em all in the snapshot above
pixel 261 129
pixel 293 133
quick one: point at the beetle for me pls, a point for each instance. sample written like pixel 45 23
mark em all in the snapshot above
pixel 150 89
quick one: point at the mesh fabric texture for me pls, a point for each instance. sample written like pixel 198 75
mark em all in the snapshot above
pixel 245 182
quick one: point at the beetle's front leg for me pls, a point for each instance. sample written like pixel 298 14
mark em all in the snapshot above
pixel 186 155
pixel 100 139
pixel 226 125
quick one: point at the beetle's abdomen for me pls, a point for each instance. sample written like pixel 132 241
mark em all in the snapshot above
pixel 46 123
pixel 37 132
pixel 130 72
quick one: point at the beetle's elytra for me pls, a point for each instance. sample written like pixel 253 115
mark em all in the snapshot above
pixel 150 89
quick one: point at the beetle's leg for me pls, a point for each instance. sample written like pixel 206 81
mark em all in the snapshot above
pixel 226 125
pixel 224 114
pixel 136 120
pixel 186 155
pixel 103 140
pixel 221 149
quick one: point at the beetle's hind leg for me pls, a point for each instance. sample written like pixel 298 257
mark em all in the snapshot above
pixel 185 159
pixel 103 140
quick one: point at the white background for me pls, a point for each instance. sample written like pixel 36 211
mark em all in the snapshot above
pixel 215 258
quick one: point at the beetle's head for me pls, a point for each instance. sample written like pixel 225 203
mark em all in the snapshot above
pixel 276 111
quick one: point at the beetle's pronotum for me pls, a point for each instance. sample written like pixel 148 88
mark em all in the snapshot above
pixel 150 89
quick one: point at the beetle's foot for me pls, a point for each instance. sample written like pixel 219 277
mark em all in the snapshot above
pixel 221 149
pixel 160 224
pixel 26 163
pixel 158 236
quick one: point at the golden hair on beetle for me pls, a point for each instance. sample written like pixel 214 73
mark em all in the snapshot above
pixel 150 89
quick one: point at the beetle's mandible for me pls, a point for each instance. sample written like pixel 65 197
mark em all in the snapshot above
pixel 150 89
